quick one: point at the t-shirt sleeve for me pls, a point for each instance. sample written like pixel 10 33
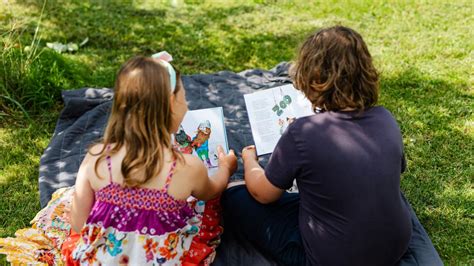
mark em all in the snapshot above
pixel 283 165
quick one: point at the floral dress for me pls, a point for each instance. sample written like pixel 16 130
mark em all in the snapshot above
pixel 41 243
pixel 126 226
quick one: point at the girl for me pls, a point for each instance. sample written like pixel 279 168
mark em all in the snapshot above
pixel 346 159
pixel 130 204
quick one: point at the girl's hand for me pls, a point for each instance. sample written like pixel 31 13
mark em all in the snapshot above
pixel 228 161
pixel 249 153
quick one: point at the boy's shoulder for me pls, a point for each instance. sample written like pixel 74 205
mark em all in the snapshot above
pixel 303 121
pixel 321 118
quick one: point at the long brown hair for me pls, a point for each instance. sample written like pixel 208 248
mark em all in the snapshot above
pixel 334 70
pixel 140 119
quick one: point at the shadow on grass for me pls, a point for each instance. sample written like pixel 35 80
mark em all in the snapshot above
pixel 36 85
pixel 199 38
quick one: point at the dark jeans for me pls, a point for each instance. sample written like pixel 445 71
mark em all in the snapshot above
pixel 273 229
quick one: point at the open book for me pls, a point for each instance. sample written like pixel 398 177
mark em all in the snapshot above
pixel 200 133
pixel 270 112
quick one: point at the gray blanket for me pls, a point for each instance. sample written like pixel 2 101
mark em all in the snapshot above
pixel 85 113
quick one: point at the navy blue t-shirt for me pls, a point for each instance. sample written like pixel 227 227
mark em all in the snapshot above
pixel 347 166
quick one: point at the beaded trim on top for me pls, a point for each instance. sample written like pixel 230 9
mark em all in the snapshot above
pixel 139 198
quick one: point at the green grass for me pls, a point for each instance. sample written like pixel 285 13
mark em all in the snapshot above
pixel 422 48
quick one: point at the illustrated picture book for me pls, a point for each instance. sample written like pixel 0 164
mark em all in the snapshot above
pixel 200 133
pixel 270 112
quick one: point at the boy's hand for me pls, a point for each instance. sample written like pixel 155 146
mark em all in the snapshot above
pixel 249 153
pixel 228 161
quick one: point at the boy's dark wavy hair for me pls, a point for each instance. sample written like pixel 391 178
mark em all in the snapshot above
pixel 334 70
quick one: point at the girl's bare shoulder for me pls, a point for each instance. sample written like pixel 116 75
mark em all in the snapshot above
pixel 92 154
pixel 96 148
pixel 193 165
pixel 90 159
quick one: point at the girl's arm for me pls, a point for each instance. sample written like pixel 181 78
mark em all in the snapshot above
pixel 205 187
pixel 83 197
pixel 257 183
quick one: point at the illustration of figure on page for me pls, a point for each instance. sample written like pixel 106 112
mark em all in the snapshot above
pixel 199 144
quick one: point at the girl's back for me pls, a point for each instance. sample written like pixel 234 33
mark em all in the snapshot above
pixel 143 225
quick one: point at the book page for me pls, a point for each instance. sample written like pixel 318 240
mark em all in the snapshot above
pixel 200 133
pixel 270 112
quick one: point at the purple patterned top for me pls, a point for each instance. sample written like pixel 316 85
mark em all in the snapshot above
pixel 149 211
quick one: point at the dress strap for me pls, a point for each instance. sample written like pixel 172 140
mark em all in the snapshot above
pixel 170 175
pixel 109 163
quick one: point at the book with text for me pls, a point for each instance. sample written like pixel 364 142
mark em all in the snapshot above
pixel 200 133
pixel 270 112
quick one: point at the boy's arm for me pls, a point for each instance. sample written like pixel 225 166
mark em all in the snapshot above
pixel 257 183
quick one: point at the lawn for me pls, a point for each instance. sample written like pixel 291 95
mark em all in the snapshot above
pixel 423 49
